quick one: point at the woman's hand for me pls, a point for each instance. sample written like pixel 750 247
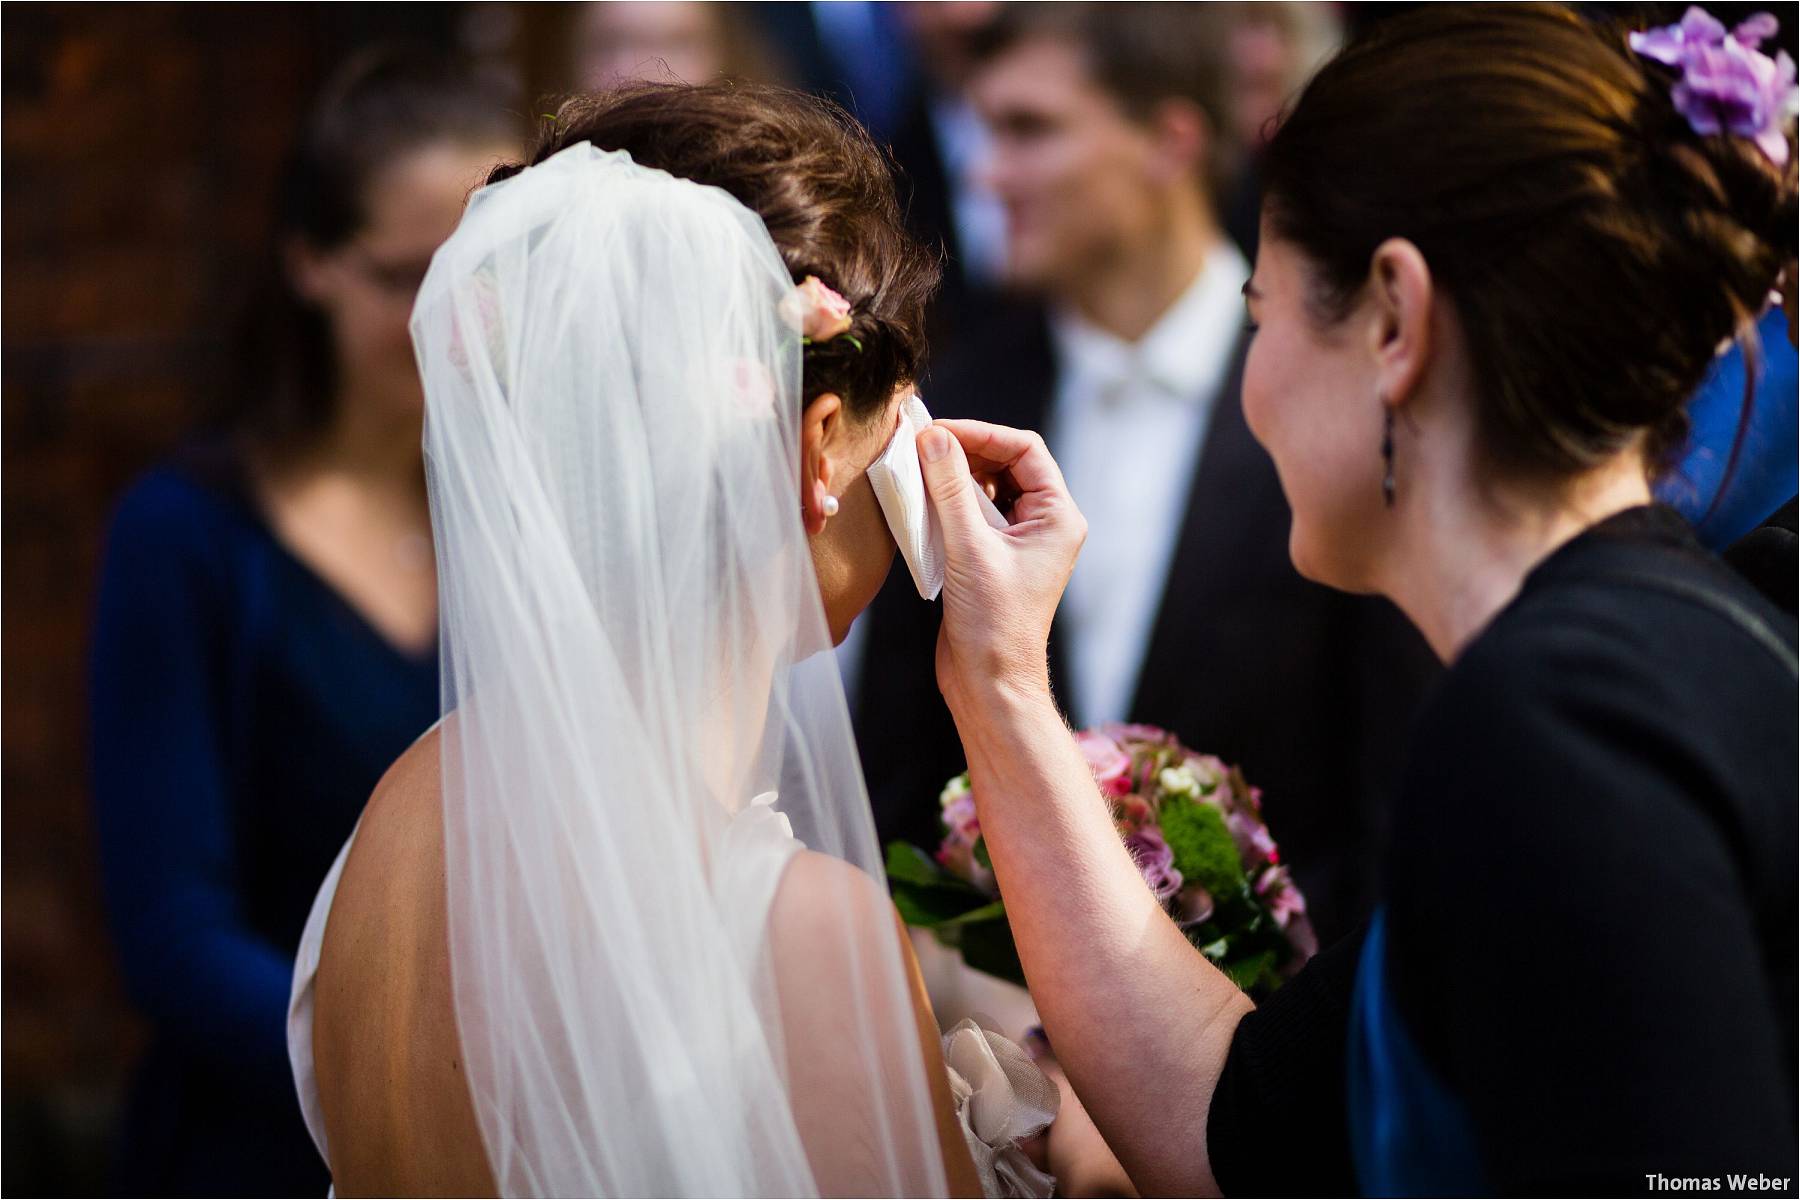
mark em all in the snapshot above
pixel 1001 586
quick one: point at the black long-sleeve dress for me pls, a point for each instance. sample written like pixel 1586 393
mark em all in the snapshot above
pixel 1582 972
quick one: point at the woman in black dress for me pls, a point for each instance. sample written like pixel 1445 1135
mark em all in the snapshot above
pixel 1499 250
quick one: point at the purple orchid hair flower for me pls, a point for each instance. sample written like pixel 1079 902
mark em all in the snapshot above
pixel 1727 84
pixel 1757 29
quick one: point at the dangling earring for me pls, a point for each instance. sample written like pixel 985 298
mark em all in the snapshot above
pixel 1387 456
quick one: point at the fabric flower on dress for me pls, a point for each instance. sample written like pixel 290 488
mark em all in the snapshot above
pixel 1727 84
pixel 1001 1099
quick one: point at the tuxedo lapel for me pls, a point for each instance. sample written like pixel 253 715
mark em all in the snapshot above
pixel 1225 529
pixel 1003 371
pixel 1024 393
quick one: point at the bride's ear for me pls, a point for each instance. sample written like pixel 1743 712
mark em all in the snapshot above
pixel 821 425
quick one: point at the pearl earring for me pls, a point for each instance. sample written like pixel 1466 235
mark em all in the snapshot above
pixel 831 505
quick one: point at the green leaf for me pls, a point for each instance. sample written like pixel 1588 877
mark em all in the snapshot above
pixel 987 912
pixel 925 893
pixel 1246 973
pixel 909 864
pixel 853 342
pixel 988 946
pixel 928 908
pixel 931 906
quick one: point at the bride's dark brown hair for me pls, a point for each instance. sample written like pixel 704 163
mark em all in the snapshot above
pixel 1597 250
pixel 822 188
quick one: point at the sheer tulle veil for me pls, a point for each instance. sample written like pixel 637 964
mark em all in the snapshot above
pixel 635 655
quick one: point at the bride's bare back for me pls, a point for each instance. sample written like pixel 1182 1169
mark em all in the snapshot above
pixel 387 1057
pixel 385 1048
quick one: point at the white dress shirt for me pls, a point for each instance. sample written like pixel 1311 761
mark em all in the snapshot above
pixel 1127 425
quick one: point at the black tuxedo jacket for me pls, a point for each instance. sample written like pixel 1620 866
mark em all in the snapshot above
pixel 1311 691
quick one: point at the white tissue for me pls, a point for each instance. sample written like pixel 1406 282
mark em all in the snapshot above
pixel 899 485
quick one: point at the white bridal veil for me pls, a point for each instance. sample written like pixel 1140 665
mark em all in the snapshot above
pixel 655 994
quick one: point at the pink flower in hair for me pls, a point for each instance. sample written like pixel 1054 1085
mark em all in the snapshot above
pixel 818 312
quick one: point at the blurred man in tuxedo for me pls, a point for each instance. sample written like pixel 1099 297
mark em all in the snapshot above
pixel 903 70
pixel 1126 350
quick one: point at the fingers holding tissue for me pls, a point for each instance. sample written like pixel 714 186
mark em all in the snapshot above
pixel 1002 582
pixel 900 488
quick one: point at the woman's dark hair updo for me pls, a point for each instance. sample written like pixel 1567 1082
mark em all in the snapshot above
pixel 821 187
pixel 1597 249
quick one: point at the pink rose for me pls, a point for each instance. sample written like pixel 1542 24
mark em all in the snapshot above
pixel 819 312
pixel 960 818
pixel 1132 812
pixel 958 858
pixel 1111 766
pixel 1288 907
pixel 1148 735
pixel 1254 844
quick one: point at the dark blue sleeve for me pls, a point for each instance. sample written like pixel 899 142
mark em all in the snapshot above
pixel 162 805
pixel 1767 469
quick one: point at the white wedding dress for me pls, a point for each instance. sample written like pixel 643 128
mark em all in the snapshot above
pixel 757 845
pixel 633 648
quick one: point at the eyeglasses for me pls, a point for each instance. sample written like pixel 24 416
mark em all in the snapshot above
pixel 401 280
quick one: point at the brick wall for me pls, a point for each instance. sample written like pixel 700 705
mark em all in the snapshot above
pixel 141 145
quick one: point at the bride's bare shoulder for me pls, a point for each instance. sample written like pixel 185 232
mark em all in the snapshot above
pixel 817 889
pixel 409 795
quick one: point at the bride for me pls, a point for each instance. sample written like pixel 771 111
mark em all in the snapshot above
pixel 614 926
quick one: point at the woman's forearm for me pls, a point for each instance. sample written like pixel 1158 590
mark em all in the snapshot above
pixel 1140 1020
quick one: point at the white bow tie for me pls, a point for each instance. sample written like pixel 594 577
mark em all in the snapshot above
pixel 1115 374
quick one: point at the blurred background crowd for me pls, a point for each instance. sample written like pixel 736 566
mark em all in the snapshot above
pixel 219 590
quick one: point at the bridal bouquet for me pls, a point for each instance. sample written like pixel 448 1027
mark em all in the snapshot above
pixel 1192 825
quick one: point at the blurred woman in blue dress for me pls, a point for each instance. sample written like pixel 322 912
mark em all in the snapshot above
pixel 265 641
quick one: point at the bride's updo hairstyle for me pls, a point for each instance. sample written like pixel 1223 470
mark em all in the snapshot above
pixel 821 187
pixel 1596 248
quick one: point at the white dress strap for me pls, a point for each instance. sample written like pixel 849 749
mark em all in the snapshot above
pixel 300 1004
pixel 754 850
